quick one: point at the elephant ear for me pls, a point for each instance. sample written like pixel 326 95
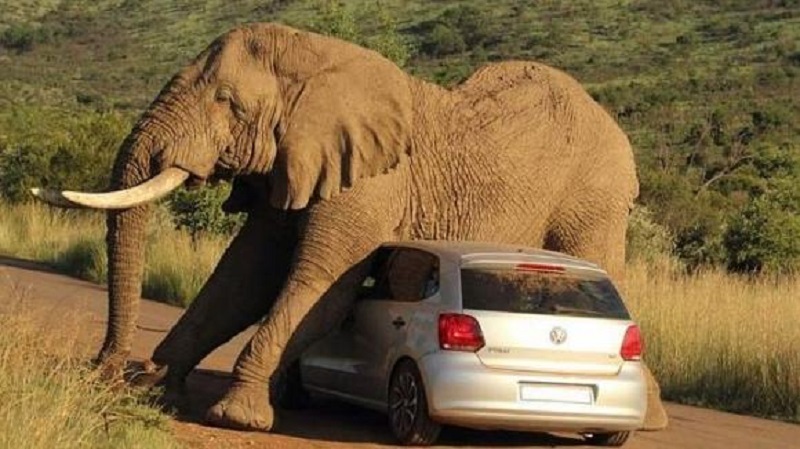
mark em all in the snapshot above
pixel 348 117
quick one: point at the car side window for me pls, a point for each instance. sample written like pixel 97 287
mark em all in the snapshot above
pixel 374 285
pixel 401 274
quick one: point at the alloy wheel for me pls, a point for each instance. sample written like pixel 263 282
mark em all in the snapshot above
pixel 404 402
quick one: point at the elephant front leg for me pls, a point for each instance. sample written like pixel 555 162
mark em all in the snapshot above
pixel 304 313
pixel 241 291
pixel 337 236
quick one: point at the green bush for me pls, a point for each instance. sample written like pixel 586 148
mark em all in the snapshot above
pixel 454 31
pixel 75 153
pixel 18 37
pixel 443 40
pixel 199 211
pixel 471 22
pixel 372 27
pixel 334 19
pixel 700 245
pixel 647 240
pixel 765 237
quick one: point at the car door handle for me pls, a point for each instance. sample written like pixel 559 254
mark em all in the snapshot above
pixel 399 322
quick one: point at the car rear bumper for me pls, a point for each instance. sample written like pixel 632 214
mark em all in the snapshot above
pixel 462 391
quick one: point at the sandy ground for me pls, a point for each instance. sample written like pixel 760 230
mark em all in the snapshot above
pixel 334 425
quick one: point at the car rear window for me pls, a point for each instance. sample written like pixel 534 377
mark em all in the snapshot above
pixel 547 293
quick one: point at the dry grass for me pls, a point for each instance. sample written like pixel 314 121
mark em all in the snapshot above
pixel 713 339
pixel 49 396
pixel 721 341
pixel 74 243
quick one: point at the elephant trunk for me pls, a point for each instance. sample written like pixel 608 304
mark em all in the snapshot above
pixel 125 241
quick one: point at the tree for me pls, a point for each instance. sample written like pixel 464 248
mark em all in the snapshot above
pixel 765 237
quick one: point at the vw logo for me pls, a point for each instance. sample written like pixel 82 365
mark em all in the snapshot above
pixel 558 335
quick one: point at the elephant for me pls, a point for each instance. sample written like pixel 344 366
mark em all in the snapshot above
pixel 333 150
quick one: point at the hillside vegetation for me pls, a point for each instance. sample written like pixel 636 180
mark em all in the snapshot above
pixel 707 90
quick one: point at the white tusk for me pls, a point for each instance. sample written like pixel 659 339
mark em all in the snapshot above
pixel 148 191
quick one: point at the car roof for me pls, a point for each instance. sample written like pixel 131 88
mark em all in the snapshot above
pixel 462 252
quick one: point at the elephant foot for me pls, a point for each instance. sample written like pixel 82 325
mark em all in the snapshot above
pixel 244 407
pixel 111 367
pixel 656 416
pixel 150 375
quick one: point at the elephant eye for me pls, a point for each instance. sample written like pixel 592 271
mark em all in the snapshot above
pixel 223 95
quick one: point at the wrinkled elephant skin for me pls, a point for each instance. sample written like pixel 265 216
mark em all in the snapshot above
pixel 333 150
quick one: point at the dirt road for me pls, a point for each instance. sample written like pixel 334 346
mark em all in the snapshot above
pixel 332 425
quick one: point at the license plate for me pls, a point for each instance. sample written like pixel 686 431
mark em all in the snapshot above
pixel 573 394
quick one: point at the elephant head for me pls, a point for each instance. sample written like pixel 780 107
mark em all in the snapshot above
pixel 307 115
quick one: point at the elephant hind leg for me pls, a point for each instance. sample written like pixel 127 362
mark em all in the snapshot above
pixel 594 233
pixel 656 416
pixel 599 236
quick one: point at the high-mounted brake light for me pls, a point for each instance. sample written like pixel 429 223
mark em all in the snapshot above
pixel 540 268
pixel 632 344
pixel 459 332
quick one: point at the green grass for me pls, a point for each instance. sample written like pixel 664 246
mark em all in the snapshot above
pixel 49 396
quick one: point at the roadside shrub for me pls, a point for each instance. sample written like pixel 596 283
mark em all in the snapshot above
pixel 700 245
pixel 199 211
pixel 647 240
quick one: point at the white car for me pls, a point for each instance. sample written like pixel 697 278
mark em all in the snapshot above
pixel 485 336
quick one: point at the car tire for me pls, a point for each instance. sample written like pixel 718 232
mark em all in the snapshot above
pixel 408 407
pixel 291 394
pixel 613 439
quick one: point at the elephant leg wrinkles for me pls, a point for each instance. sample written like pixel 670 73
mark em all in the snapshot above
pixel 241 290
pixel 316 296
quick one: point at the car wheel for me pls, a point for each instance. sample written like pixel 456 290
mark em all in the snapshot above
pixel 408 408
pixel 614 439
pixel 291 394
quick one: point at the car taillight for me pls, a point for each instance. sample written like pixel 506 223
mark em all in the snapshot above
pixel 459 332
pixel 632 344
